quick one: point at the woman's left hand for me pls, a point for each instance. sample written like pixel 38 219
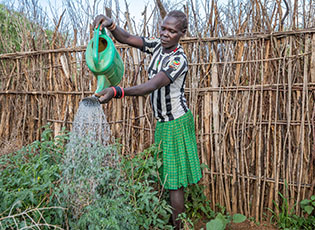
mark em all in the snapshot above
pixel 105 95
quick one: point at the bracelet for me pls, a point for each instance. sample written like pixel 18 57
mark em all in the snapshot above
pixel 112 26
pixel 115 91
pixel 122 92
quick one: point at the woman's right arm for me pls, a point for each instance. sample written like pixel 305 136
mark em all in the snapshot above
pixel 119 34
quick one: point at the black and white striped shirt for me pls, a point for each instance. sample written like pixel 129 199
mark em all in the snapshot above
pixel 168 102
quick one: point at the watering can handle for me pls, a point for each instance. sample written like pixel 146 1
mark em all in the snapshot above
pixel 95 44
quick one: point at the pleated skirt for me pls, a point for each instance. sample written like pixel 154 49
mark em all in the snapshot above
pixel 177 142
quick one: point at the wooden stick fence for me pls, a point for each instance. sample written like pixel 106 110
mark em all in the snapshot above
pixel 252 98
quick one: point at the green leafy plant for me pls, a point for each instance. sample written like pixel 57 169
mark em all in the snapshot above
pixel 87 173
pixel 148 199
pixel 92 186
pixel 28 179
pixel 221 221
pixel 308 206
pixel 196 204
pixel 187 223
pixel 88 186
pixel 102 195
pixel 287 219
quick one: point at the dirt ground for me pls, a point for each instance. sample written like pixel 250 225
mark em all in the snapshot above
pixel 251 226
pixel 247 225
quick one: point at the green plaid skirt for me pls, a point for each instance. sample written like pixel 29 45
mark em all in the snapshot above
pixel 177 141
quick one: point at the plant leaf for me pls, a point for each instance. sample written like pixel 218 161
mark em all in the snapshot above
pixel 222 218
pixel 309 209
pixel 304 202
pixel 215 224
pixel 238 218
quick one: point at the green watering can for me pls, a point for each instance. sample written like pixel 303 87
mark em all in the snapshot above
pixel 104 61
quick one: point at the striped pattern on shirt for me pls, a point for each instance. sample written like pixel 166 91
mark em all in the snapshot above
pixel 168 102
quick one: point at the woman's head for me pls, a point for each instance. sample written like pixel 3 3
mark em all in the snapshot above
pixel 174 26
pixel 181 17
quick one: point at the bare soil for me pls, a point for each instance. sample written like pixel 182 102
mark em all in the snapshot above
pixel 246 225
pixel 251 225
pixel 11 146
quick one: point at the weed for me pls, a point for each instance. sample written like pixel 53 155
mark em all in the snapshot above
pixel 187 223
pixel 196 203
pixel 287 219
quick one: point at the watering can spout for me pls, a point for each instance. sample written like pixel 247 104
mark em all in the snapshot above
pixel 102 83
pixel 91 101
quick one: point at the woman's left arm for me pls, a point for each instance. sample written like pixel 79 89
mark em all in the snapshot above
pixel 158 81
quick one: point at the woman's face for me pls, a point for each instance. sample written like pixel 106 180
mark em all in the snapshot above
pixel 171 32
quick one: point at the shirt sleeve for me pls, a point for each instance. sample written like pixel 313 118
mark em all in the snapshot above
pixel 175 67
pixel 150 44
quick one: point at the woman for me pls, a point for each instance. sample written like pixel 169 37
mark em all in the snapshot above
pixel 175 131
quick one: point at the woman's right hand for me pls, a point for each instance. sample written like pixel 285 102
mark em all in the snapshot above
pixel 102 20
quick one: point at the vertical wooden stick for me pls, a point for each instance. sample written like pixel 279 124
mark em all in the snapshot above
pixel 302 131
pixel 216 128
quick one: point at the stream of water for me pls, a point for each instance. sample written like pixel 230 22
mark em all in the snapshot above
pixel 90 121
pixel 89 157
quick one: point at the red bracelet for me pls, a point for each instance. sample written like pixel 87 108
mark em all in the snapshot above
pixel 122 92
pixel 115 92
